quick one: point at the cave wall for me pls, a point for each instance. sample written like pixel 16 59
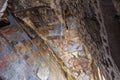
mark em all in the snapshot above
pixel 117 6
pixel 93 32
pixel 112 23
pixel 90 23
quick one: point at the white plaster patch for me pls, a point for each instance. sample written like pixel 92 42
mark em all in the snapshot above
pixel 3 8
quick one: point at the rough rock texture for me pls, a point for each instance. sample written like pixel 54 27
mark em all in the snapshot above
pixel 41 19
pixel 117 5
pixel 93 33
pixel 112 25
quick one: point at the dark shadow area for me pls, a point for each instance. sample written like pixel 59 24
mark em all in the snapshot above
pixel 112 25
pixel 4 23
pixel 2 78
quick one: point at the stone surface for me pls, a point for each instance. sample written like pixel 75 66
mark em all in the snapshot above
pixel 57 40
pixel 3 6
pixel 112 26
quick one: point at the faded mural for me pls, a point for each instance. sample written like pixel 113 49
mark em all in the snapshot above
pixel 54 40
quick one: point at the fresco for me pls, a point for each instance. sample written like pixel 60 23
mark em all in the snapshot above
pixel 54 40
pixel 26 56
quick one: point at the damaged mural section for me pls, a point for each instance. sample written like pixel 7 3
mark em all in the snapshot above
pixel 49 53
pixel 41 41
